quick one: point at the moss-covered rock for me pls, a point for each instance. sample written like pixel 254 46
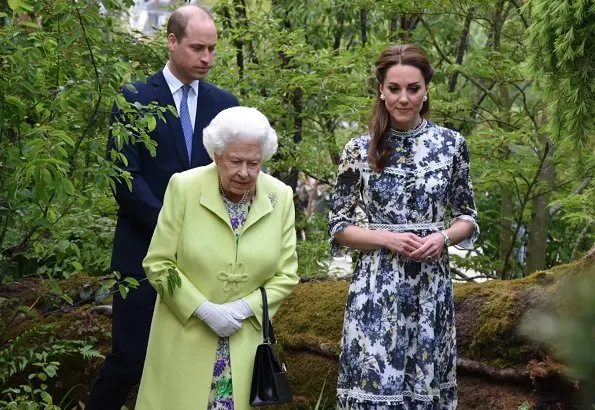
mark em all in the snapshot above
pixel 60 321
pixel 309 324
pixel 489 332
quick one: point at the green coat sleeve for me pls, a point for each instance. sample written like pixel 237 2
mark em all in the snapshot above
pixel 286 278
pixel 161 257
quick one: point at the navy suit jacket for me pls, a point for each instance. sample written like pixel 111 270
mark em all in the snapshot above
pixel 139 208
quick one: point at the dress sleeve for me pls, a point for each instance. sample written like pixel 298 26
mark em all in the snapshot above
pixel 347 192
pixel 461 192
pixel 161 258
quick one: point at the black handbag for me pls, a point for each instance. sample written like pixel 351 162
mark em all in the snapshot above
pixel 269 377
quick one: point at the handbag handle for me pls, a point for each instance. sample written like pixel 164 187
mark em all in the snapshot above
pixel 268 334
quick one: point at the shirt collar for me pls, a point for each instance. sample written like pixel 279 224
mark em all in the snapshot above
pixel 175 84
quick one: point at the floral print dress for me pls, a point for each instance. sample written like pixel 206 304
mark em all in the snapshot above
pixel 398 349
pixel 221 397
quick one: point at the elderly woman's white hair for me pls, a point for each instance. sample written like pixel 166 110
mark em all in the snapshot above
pixel 239 123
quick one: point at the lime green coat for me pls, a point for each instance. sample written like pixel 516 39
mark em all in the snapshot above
pixel 194 237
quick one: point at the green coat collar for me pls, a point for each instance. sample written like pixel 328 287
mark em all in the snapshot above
pixel 211 199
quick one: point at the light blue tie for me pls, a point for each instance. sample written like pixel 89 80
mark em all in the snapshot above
pixel 185 120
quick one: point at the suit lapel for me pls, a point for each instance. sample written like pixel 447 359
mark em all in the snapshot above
pixel 204 114
pixel 164 97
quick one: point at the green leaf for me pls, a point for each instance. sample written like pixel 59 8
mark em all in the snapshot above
pixel 63 244
pixel 77 265
pixel 131 87
pixel 131 281
pixel 46 397
pixel 67 298
pixel 26 310
pixel 14 4
pixel 108 284
pixel 151 122
pixel 27 23
pixel 172 110
pixel 123 290
pixel 16 101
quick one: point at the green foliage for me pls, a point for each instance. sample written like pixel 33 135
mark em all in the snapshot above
pixel 168 282
pixel 307 67
pixel 525 406
pixel 312 248
pixel 321 403
pixel 561 52
pixel 62 67
pixel 36 351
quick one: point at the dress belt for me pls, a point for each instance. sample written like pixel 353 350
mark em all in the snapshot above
pixel 424 226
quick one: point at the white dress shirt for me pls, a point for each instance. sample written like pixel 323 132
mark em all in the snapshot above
pixel 175 86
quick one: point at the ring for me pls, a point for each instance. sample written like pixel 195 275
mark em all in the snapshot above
pixel 428 258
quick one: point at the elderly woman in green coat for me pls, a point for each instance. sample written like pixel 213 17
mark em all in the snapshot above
pixel 225 230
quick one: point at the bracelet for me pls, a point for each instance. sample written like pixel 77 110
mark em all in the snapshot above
pixel 447 240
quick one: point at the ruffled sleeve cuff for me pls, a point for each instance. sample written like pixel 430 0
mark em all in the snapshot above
pixel 336 248
pixel 468 242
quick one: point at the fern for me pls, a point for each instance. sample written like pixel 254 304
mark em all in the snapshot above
pixel 525 406
pixel 13 359
pixel 36 349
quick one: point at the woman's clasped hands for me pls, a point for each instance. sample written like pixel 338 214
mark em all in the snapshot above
pixel 224 319
pixel 428 248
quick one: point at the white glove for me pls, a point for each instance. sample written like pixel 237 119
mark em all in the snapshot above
pixel 218 318
pixel 239 309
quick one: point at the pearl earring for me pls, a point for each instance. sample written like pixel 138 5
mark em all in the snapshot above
pixel 382 97
pixel 425 98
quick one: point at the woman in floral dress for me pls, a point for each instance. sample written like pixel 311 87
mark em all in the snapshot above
pixel 409 176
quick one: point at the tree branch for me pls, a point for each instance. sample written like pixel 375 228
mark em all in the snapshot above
pixel 452 84
pixel 521 91
pixel 524 202
pixel 579 240
pixel 507 374
pixel 584 184
pixel 518 9
pixel 95 111
pixel 445 57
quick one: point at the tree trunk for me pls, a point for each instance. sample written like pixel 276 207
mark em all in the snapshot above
pixel 363 22
pixel 407 27
pixel 452 84
pixel 392 31
pixel 590 256
pixel 540 217
pixel 241 21
pixel 506 239
pixel 331 143
pixel 340 27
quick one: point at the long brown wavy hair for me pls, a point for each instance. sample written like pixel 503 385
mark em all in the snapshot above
pixel 406 54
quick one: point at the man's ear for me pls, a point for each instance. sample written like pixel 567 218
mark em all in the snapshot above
pixel 172 41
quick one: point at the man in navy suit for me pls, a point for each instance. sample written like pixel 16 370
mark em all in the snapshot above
pixel 191 39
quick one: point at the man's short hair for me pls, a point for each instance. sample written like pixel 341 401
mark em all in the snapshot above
pixel 179 20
